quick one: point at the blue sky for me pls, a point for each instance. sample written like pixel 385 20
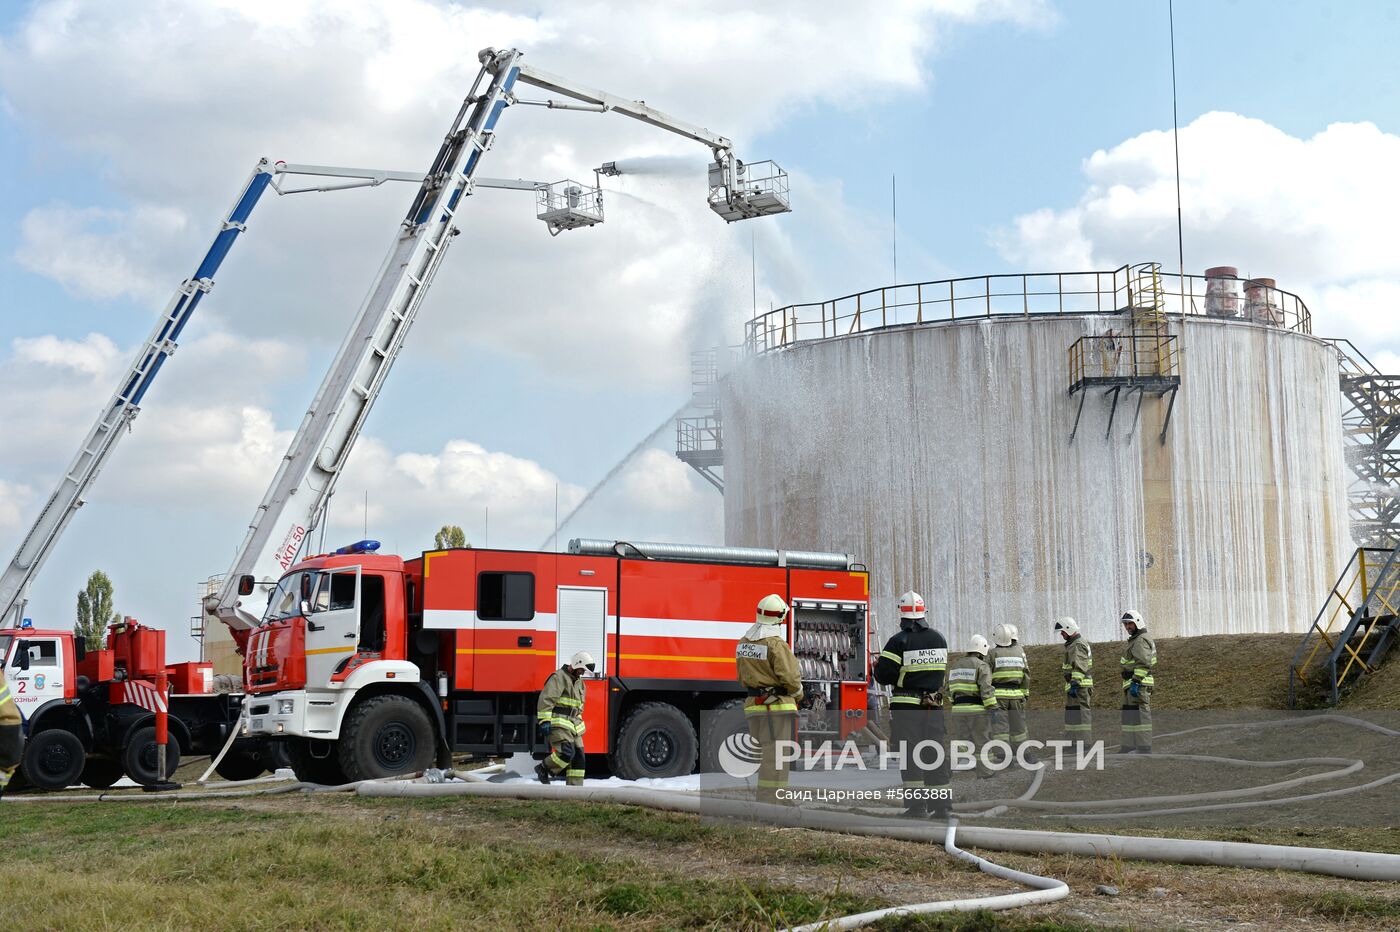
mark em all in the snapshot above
pixel 540 362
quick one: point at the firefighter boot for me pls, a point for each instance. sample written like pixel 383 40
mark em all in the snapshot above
pixel 542 772
pixel 917 809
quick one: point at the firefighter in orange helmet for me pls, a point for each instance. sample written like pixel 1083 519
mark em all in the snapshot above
pixel 561 720
pixel 11 733
pixel 768 670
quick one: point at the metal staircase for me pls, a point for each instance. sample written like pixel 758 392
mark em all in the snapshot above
pixel 1351 635
pixel 1144 360
pixel 1370 429
pixel 700 438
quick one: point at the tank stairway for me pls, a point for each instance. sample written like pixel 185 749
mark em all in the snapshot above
pixel 1352 634
pixel 1144 360
pixel 700 438
pixel 1370 429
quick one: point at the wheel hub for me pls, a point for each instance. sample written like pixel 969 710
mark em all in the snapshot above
pixel 393 745
pixel 55 759
pixel 657 749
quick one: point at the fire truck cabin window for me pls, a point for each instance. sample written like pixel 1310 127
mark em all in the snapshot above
pixel 342 591
pixel 43 653
pixel 505 596
pixel 372 613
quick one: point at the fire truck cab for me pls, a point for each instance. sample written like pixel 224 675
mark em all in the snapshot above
pixel 367 665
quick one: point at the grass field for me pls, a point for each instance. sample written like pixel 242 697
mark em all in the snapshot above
pixel 343 862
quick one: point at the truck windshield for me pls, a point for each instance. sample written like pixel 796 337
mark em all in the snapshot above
pixel 285 600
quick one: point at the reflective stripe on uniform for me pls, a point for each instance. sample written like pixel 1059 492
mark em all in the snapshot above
pixel 5 694
pixel 905 700
pixel 890 655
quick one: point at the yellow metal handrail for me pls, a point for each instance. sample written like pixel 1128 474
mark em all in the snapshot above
pixel 1360 585
pixel 1020 295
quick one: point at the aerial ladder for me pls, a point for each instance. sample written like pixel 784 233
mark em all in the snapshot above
pixel 364 358
pixel 296 500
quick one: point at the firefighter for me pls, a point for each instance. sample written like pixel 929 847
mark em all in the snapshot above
pixel 1078 667
pixel 973 700
pixel 1011 679
pixel 11 734
pixel 768 670
pixel 1139 657
pixel 560 722
pixel 914 662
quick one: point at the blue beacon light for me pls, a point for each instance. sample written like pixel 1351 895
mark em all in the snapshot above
pixel 359 546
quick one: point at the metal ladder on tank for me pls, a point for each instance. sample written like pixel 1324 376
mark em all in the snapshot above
pixel 1350 637
pixel 1151 364
pixel 1370 429
pixel 700 438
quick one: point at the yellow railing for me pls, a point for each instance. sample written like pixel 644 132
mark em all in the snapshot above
pixel 1122 358
pixel 1334 647
pixel 1020 295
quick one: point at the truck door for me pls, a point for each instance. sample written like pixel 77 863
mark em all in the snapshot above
pixel 333 625
pixel 45 677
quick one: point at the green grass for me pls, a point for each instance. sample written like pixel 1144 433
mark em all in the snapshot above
pixel 1348 906
pixel 347 865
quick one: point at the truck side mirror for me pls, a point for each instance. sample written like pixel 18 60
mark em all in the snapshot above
pixel 245 585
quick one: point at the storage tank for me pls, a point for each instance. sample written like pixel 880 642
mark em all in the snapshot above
pixel 927 429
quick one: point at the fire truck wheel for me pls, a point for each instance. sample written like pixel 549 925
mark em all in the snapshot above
pixel 102 772
pixel 53 759
pixel 140 756
pixel 656 740
pixel 384 737
pixel 241 765
pixel 716 726
pixel 308 768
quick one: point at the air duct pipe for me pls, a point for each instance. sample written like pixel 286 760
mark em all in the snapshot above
pixel 704 553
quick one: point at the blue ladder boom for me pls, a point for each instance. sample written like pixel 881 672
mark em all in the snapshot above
pixel 123 406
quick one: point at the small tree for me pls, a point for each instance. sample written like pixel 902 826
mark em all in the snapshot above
pixel 95 610
pixel 448 537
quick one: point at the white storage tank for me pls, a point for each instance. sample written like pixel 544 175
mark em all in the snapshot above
pixel 930 436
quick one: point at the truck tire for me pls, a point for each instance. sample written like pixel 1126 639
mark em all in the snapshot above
pixel 717 725
pixel 656 740
pixel 386 736
pixel 102 772
pixel 312 769
pixel 241 765
pixel 53 759
pixel 140 760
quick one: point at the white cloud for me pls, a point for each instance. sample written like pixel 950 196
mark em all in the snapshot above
pixel 374 83
pixel 99 253
pixel 1313 213
pixel 14 500
pixel 94 355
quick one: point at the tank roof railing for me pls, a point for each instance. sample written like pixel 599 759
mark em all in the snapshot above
pixel 1024 295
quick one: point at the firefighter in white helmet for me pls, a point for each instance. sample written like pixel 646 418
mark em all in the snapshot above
pixel 1078 667
pixel 973 700
pixel 11 732
pixel 1011 678
pixel 914 662
pixel 1138 661
pixel 768 670
pixel 560 720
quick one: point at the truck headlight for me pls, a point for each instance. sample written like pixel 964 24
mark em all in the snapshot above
pixel 284 706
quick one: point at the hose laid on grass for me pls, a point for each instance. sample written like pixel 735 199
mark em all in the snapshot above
pixel 1356 865
pixel 1043 890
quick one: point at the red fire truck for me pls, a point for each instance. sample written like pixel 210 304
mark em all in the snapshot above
pixel 368 665
pixel 90 715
